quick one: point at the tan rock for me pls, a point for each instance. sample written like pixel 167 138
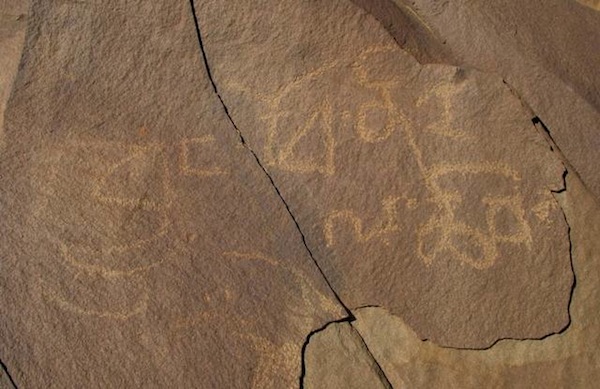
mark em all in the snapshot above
pixel 593 4
pixel 13 20
pixel 337 357
pixel 548 52
pixel 142 245
pixel 5 379
pixel 422 189
pixel 170 225
pixel 569 359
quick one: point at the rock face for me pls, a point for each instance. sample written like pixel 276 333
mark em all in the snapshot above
pixel 545 51
pixel 324 194
pixel 445 219
pixel 13 21
pixel 142 245
pixel 568 360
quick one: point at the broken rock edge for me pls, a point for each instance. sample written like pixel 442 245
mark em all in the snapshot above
pixel 349 318
pixel 546 134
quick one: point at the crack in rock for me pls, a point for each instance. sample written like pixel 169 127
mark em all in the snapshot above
pixel 350 317
pixel 379 370
pixel 8 375
pixel 259 163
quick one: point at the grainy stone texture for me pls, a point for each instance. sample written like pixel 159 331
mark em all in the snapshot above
pixel 337 357
pixel 167 225
pixel 13 21
pixel 142 245
pixel 422 189
pixel 5 380
pixel 568 360
pixel 593 4
pixel 548 51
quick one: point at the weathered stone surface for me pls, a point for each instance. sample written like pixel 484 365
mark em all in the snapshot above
pixel 142 245
pixel 548 52
pixel 422 189
pixel 5 379
pixel 13 20
pixel 593 4
pixel 336 357
pixel 567 360
pixel 145 243
pixel 408 30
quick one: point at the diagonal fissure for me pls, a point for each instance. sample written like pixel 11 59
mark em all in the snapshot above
pixel 380 372
pixel 258 161
pixel 7 373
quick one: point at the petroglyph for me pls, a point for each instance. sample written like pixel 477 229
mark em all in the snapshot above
pixel 387 227
pixel 130 305
pixel 323 121
pixel 126 180
pixel 133 183
pixel 284 155
pixel 383 105
pixel 129 172
pixel 192 145
pixel 448 232
pixel 69 259
pixel 376 120
pixel 272 358
pixel 308 292
pixel 448 95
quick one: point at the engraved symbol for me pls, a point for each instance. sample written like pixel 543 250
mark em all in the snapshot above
pixel 446 93
pixel 377 119
pixel 119 199
pixel 194 145
pixel 289 160
pixel 388 226
pixel 443 233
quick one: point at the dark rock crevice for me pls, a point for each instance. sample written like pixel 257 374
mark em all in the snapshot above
pixel 350 317
pixel 380 372
pixel 405 40
pixel 8 375
pixel 258 161
pixel 379 369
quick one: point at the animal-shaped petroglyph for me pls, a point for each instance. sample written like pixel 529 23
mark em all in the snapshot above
pixel 272 357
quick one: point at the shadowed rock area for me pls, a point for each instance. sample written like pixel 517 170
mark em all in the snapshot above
pixel 315 194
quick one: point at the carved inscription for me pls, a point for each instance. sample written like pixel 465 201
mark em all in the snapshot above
pixel 375 120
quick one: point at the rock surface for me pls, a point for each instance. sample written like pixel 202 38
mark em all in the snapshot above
pixel 548 52
pixel 13 22
pixel 337 357
pixel 445 219
pixel 568 360
pixel 324 194
pixel 142 245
